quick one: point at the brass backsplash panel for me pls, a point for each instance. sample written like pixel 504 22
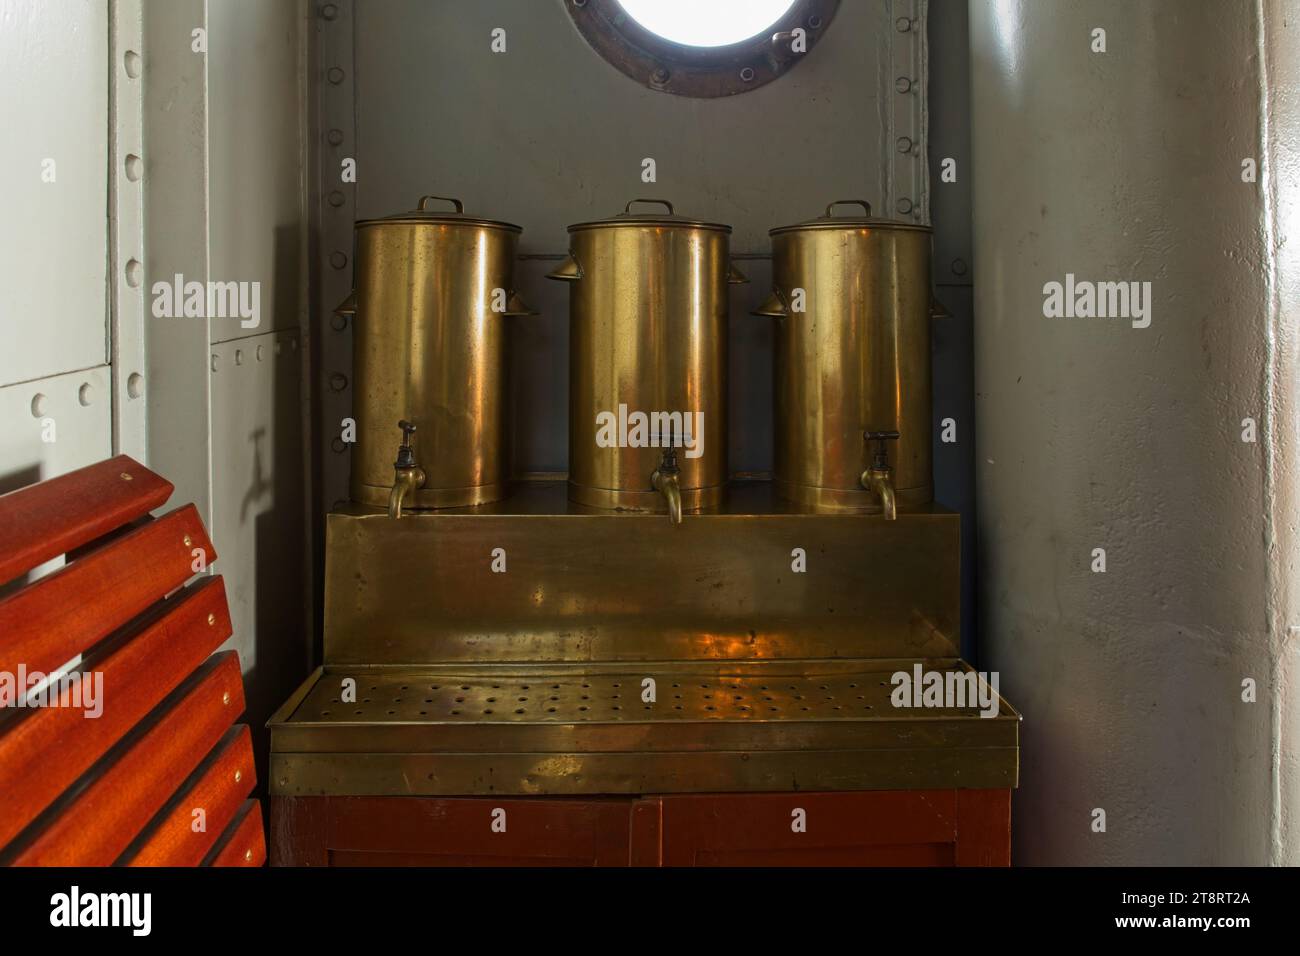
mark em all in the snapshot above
pixel 586 585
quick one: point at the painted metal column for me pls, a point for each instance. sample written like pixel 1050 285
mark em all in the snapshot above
pixel 1136 473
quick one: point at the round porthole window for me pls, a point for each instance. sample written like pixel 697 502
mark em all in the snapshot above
pixel 703 47
pixel 719 23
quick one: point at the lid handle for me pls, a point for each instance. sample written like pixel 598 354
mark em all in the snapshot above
pixel 627 210
pixel 849 202
pixel 424 203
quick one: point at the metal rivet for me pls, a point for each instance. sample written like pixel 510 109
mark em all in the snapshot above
pixel 747 74
pixel 239 775
pixel 134 385
pixel 329 12
pixel 903 24
pixel 336 198
pixel 902 84
pixel 335 75
pixel 239 356
pixel 134 273
pixel 904 144
pixel 339 445
pixel 278 346
pixel 338 381
pixel 126 477
pixel 579 3
pixel 214 363
pixel 134 167
pixel 334 137
pixel 959 267
pixel 131 63
pixel 261 350
pixel 39 404
pixel 660 76
pixel 814 22
pixel 339 260
pixel 86 394
pixel 338 322
pixel 248 856
pixel 225 698
pixel 905 205
pixel 188 541
pixel 212 619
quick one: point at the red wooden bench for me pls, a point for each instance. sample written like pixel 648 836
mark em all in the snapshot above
pixel 147 768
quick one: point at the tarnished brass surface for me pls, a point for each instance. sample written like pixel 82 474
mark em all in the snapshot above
pixel 648 330
pixel 533 680
pixel 587 728
pixel 586 585
pixel 428 347
pixel 857 359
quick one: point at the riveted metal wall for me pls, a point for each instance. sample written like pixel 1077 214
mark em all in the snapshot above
pixel 225 146
pixel 563 140
pixel 1170 447
pixel 334 205
pixel 126 228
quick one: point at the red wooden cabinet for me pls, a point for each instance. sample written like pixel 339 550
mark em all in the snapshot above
pixel 869 828
pixel 448 831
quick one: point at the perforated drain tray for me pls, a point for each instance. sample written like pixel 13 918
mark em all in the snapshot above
pixel 644 727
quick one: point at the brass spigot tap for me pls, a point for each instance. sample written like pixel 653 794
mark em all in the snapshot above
pixel 665 480
pixel 408 476
pixel 879 478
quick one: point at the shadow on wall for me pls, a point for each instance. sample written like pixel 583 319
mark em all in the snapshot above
pixel 21 478
pixel 273 497
pixel 12 481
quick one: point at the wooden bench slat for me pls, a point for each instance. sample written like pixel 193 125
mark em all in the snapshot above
pixel 53 517
pixel 219 790
pixel 138 673
pixel 244 843
pixel 48 622
pixel 105 817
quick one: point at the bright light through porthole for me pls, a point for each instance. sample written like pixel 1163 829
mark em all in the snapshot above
pixel 706 22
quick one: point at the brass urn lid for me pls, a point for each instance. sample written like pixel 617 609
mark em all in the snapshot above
pixel 629 218
pixel 423 215
pixel 831 221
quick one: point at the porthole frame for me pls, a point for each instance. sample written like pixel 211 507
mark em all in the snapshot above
pixel 705 72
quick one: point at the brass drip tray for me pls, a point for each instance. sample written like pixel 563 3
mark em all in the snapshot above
pixel 568 728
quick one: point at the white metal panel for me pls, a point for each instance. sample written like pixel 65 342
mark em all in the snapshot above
pixel 53 250
pixel 54 425
pixel 258 509
pixel 255 158
pixel 224 201
pixel 176 229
